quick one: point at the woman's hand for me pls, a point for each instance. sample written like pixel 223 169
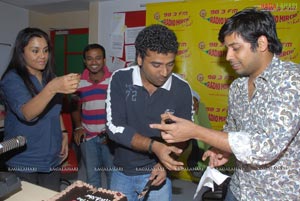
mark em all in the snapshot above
pixel 64 147
pixel 66 84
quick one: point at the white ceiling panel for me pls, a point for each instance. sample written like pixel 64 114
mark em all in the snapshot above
pixel 51 6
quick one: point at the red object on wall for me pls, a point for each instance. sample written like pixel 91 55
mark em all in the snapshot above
pixel 134 19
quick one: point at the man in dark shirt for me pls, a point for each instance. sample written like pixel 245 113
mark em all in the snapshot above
pixel 136 97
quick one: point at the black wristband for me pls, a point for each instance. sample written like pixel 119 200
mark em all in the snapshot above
pixel 64 131
pixel 150 146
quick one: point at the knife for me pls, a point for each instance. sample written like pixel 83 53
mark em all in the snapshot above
pixel 146 188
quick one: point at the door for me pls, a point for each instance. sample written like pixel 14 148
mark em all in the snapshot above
pixel 68 46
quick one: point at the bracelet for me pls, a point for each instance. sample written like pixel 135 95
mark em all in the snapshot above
pixel 78 128
pixel 150 146
pixel 64 131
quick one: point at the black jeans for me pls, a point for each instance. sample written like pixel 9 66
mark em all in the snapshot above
pixel 49 180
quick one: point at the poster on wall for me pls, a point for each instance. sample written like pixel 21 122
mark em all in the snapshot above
pixel 117 34
pixel 201 57
pixel 125 28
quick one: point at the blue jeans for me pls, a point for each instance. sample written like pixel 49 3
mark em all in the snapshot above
pixel 97 158
pixel 132 185
pixel 230 196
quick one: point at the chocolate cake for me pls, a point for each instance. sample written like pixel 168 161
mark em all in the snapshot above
pixel 79 191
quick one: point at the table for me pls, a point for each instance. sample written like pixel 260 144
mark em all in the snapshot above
pixel 31 192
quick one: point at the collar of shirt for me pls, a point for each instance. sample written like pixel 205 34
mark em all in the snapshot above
pixel 137 80
pixel 267 73
pixel 264 77
pixel 85 75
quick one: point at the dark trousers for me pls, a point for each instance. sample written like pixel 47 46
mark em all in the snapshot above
pixel 49 180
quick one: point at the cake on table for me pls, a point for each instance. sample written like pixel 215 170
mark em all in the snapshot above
pixel 81 191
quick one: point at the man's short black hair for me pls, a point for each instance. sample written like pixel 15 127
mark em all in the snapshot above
pixel 157 38
pixel 93 46
pixel 250 24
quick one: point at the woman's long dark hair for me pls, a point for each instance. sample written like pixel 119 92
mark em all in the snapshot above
pixel 18 63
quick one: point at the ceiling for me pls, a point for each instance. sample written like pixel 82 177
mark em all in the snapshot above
pixel 52 6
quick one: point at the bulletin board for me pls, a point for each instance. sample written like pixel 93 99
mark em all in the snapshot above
pixel 133 22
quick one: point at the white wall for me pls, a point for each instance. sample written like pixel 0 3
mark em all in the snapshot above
pixel 12 20
pixel 64 20
pixel 107 8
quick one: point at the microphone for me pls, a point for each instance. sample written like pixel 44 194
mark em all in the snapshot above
pixel 12 143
